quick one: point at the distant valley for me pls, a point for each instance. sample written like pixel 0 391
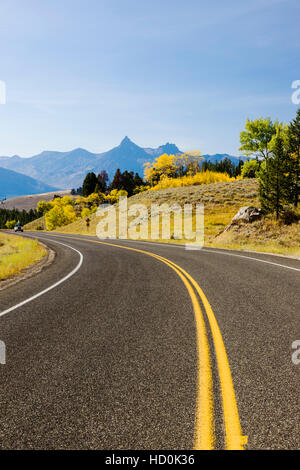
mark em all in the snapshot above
pixel 13 184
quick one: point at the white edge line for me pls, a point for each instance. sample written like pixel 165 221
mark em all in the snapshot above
pixel 217 251
pixel 206 250
pixel 53 285
pixel 253 259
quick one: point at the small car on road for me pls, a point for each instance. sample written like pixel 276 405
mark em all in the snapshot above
pixel 18 228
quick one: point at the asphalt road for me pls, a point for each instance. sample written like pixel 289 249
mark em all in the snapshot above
pixel 109 358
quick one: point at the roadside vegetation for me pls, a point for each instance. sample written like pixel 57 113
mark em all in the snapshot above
pixel 17 254
pixel 200 178
pixel 269 180
pixel 66 210
pixel 167 171
pixel 277 149
pixel 9 217
pixel 222 201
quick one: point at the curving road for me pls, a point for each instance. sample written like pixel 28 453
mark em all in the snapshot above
pixel 152 347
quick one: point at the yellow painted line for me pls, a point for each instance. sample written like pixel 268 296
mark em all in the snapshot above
pixel 204 431
pixel 204 437
pixel 233 431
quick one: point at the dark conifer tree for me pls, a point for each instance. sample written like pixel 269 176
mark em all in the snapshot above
pixel 274 179
pixel 294 151
pixel 89 184
pixel 102 183
pixel 117 182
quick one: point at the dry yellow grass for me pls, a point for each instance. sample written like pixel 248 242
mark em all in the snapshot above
pixel 265 235
pixel 37 224
pixel 17 254
pixel 30 202
pixel 221 202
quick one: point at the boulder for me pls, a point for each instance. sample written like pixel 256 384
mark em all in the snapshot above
pixel 247 214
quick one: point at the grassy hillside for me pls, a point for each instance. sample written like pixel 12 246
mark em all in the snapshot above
pixel 263 235
pixel 16 254
pixel 221 201
pixel 30 202
pixel 37 224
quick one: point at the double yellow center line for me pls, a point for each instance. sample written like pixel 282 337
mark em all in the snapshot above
pixel 204 435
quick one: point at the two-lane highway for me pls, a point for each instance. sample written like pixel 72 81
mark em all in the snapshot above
pixel 133 345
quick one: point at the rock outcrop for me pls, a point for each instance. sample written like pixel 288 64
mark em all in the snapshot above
pixel 246 215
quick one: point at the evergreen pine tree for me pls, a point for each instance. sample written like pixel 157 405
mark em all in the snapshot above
pixel 117 182
pixel 89 184
pixel 138 181
pixel 274 179
pixel 102 182
pixel 294 150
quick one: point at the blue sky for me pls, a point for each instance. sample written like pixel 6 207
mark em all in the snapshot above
pixel 85 73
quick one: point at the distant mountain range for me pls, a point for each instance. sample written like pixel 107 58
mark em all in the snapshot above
pixel 66 170
pixel 14 184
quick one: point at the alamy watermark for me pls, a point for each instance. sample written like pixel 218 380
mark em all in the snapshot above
pixel 2 352
pixel 296 353
pixel 296 93
pixel 2 92
pixel 160 222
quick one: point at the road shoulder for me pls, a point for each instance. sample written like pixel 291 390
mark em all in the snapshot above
pixel 31 270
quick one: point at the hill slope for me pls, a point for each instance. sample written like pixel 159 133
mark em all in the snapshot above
pixel 221 202
pixel 30 202
pixel 14 184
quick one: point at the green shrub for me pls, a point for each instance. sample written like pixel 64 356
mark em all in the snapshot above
pixel 250 169
pixel 289 215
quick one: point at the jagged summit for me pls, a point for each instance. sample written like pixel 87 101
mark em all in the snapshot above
pixel 66 170
pixel 126 140
pixel 168 148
